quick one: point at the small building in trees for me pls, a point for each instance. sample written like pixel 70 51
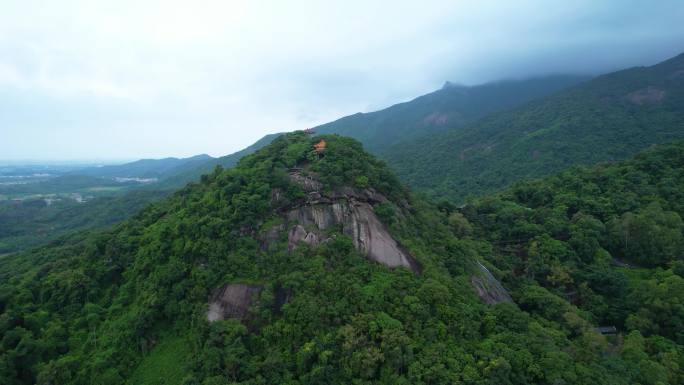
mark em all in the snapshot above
pixel 320 147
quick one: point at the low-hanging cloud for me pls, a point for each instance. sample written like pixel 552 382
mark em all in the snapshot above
pixel 127 79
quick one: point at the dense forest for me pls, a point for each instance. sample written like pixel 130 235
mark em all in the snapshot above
pixel 32 222
pixel 587 248
pixel 608 239
pixel 610 117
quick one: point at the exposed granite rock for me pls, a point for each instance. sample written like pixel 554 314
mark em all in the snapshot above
pixel 299 234
pixel 677 74
pixel 646 96
pixel 308 182
pixel 488 288
pixel 369 234
pixel 276 195
pixel 436 119
pixel 349 208
pixel 232 301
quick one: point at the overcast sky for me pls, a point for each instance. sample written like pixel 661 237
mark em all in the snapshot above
pixel 129 79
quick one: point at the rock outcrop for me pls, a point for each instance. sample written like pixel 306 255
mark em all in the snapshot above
pixel 232 301
pixel 488 288
pixel 348 208
pixel 646 96
pixel 370 236
pixel 299 234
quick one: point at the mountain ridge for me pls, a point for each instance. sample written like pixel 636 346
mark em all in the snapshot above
pixel 443 108
pixel 610 117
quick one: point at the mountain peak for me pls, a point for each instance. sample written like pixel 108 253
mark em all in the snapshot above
pixel 449 84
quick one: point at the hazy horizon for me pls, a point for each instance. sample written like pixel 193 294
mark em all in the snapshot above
pixel 131 80
pixel 65 162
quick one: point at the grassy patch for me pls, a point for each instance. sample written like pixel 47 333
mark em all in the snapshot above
pixel 165 365
pixel 636 274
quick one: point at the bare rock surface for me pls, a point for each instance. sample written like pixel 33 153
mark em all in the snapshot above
pixel 232 301
pixel 352 209
pixel 308 183
pixel 299 234
pixel 488 288
pixel 646 96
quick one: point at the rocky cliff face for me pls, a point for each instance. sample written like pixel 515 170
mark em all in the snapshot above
pixel 232 301
pixel 349 208
pixel 488 288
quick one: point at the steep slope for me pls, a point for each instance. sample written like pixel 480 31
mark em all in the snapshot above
pixel 296 266
pixel 610 117
pixel 450 107
pixel 609 239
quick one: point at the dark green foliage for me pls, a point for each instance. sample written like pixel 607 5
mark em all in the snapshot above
pixel 386 212
pixel 650 237
pixel 344 163
pixel 105 307
pixel 607 118
pixel 581 236
pixel 33 222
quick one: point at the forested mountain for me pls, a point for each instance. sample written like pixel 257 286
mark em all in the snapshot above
pixel 607 118
pixel 610 239
pixel 147 168
pixel 310 263
pixel 450 107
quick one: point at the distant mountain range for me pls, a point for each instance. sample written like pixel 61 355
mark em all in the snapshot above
pixel 112 177
pixel 608 118
pixel 181 178
pixel 462 140
pixel 147 168
pixel 450 107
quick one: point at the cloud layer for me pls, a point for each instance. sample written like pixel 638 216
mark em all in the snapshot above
pixel 129 79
